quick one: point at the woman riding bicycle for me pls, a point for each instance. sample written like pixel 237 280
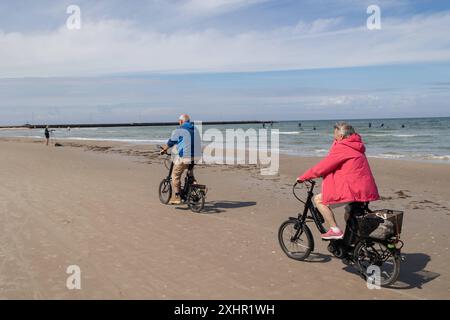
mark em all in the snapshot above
pixel 346 177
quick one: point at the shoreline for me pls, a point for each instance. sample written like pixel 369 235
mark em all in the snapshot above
pixel 130 142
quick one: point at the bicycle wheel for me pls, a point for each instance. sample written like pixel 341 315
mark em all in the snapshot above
pixel 377 254
pixel 196 200
pixel 295 239
pixel 165 191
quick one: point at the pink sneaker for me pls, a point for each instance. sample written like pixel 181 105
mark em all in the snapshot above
pixel 331 235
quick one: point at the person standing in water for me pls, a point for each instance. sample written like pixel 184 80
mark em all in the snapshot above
pixel 47 135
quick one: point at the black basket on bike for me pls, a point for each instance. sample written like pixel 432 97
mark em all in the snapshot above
pixel 380 224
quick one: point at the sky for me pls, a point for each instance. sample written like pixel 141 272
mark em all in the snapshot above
pixel 150 60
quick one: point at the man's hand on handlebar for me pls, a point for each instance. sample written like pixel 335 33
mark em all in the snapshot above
pixel 163 149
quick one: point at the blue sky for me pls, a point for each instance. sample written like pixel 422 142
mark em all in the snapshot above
pixel 222 60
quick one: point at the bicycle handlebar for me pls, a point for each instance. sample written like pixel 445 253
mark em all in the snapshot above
pixel 162 149
pixel 312 183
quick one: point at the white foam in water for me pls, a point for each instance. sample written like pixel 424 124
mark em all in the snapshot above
pixel 34 137
pixel 390 135
pixel 82 129
pixel 434 157
pixel 405 135
pixel 389 156
pixel 287 132
pixel 376 135
pixel 114 140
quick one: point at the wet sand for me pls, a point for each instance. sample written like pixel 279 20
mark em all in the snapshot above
pixel 95 205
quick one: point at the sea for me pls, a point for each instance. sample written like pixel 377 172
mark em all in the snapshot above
pixel 420 139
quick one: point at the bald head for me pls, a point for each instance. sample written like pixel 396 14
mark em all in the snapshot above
pixel 184 118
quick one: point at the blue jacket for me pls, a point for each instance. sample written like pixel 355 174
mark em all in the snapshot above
pixel 187 139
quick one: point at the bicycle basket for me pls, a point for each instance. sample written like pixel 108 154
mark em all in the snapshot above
pixel 201 187
pixel 380 224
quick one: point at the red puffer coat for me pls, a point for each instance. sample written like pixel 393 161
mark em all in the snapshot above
pixel 346 173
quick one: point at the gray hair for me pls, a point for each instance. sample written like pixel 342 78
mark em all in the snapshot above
pixel 344 129
pixel 184 118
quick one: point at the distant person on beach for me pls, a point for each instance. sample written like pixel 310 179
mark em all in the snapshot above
pixel 370 124
pixel 187 140
pixel 299 124
pixel 47 135
pixel 346 177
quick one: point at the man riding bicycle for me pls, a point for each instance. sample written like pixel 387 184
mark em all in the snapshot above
pixel 346 177
pixel 187 140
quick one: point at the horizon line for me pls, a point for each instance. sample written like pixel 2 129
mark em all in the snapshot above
pixel 212 122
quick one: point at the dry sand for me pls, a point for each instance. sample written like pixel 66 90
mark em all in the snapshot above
pixel 95 205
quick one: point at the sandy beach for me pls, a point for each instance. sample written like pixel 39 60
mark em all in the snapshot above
pixel 95 205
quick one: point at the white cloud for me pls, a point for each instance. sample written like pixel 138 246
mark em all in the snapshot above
pixel 111 46
pixel 213 7
pixel 317 26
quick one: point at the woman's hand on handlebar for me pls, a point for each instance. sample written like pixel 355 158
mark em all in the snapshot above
pixel 300 181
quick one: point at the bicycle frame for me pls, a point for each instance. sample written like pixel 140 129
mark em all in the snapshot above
pixel 169 176
pixel 187 180
pixel 311 208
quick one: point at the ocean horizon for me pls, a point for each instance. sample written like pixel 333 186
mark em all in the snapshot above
pixel 420 139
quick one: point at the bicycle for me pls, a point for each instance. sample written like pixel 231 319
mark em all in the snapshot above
pixel 354 249
pixel 191 193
